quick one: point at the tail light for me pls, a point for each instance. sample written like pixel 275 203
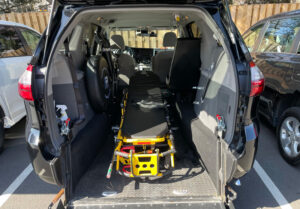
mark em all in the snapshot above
pixel 24 85
pixel 257 80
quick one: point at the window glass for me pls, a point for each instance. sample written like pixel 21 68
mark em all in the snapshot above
pixel 251 37
pixel 10 43
pixel 195 30
pixel 32 38
pixel 280 35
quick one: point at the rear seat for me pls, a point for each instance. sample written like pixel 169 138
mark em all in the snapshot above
pixel 126 63
pixel 161 62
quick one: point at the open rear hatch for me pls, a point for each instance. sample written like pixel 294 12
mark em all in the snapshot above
pixel 204 164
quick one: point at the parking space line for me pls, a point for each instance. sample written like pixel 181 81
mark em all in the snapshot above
pixel 15 184
pixel 278 196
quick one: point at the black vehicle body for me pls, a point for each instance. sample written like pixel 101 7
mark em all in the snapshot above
pixel 64 160
pixel 280 69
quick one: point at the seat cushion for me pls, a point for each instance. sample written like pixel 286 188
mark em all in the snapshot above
pixel 144 79
pixel 144 123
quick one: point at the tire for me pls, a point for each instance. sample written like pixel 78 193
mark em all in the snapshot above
pixel 1 132
pixel 288 135
pixel 98 83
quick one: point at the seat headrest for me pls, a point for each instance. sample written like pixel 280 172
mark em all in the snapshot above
pixel 170 39
pixel 119 41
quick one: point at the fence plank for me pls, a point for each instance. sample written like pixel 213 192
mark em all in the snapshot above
pixel 277 8
pixel 11 17
pixel 42 21
pixel 285 7
pixel 293 7
pixel 233 12
pixel 20 18
pixel 269 10
pixel 255 14
pixel 27 19
pixel 262 11
pixel 35 21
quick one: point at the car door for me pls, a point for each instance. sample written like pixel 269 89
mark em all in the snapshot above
pixel 273 55
pixel 295 60
pixel 13 60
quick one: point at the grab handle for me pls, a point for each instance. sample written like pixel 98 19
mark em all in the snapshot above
pixel 122 154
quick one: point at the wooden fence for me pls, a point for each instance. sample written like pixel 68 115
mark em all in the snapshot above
pixel 36 20
pixel 243 15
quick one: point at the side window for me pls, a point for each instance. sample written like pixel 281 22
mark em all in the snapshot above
pixel 10 43
pixel 32 38
pixel 251 36
pixel 280 35
pixel 195 30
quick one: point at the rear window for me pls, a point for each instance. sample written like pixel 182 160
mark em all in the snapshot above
pixel 251 36
pixel 133 38
pixel 195 30
pixel 280 35
pixel 32 38
pixel 10 43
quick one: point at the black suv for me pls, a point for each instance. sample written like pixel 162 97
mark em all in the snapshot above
pixel 142 104
pixel 274 45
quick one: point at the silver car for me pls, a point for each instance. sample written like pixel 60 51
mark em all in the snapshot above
pixel 17 44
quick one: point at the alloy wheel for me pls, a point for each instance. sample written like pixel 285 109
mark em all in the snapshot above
pixel 290 136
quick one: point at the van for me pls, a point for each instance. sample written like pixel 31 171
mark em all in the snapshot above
pixel 142 104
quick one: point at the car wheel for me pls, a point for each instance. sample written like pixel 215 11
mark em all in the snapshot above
pixel 288 135
pixel 1 133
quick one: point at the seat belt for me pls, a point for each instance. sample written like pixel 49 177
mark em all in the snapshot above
pixel 78 97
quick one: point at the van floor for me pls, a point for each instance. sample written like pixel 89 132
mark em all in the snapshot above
pixel 188 180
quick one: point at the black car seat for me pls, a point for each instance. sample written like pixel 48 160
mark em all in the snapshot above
pixel 161 62
pixel 126 63
pixel 185 66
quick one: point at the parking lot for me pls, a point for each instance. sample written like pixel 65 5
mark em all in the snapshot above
pixel 271 184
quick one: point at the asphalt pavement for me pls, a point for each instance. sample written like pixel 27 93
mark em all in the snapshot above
pixel 272 183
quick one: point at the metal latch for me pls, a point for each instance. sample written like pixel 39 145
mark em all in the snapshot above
pixel 221 126
pixel 64 119
pixel 198 102
pixel 198 87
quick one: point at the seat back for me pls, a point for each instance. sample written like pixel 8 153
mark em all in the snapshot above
pixel 161 62
pixel 185 66
pixel 126 63
pixel 126 69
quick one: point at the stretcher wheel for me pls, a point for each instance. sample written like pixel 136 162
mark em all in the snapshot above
pixel 167 162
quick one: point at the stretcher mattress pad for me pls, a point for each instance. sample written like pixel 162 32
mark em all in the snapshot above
pixel 145 111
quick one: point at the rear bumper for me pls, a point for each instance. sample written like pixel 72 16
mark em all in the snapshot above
pixel 170 203
pixel 245 162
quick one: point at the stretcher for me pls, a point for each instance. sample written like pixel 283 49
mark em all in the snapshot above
pixel 144 141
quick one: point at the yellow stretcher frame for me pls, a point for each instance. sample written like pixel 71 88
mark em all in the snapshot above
pixel 139 167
